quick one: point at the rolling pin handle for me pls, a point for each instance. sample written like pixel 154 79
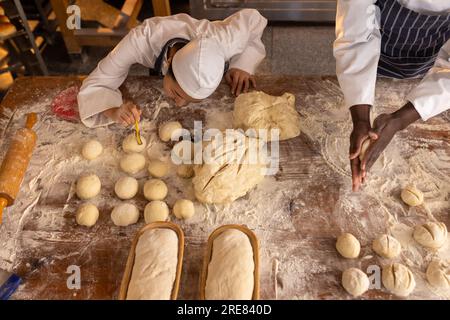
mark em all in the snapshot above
pixel 3 204
pixel 31 120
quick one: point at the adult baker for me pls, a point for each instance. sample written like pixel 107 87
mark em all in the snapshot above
pixel 396 39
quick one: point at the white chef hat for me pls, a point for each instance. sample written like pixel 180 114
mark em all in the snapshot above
pixel 199 66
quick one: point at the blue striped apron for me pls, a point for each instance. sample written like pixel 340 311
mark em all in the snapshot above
pixel 410 41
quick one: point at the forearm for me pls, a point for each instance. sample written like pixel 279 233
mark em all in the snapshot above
pixel 360 113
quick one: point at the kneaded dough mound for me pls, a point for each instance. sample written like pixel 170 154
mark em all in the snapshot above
pixel 438 274
pixel 386 246
pixel 130 145
pixel 355 281
pixel 155 189
pixel 348 246
pixel 398 279
pixel 225 177
pixel 92 149
pixel 87 215
pixel 132 163
pixel 183 209
pixel 258 110
pixel 156 211
pixel 431 234
pixel 412 196
pixel 125 214
pixel 126 188
pixel 158 168
pixel 167 129
pixel 88 186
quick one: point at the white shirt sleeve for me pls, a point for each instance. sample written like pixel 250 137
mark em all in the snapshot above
pixel 357 50
pixel 249 24
pixel 432 95
pixel 100 90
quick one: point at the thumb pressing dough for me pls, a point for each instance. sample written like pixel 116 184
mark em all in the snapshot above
pixel 355 281
pixel 386 246
pixel 155 266
pixel 258 110
pixel 398 279
pixel 230 271
pixel 348 246
pixel 431 234
pixel 438 274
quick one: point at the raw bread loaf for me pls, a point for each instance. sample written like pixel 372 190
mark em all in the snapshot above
pixel 258 110
pixel 155 266
pixel 231 269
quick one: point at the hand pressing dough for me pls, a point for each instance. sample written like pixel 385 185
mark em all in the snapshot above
pixel 355 281
pixel 258 110
pixel 438 274
pixel 92 149
pixel 431 234
pixel 158 168
pixel 155 189
pixel 87 215
pixel 125 214
pixel 156 211
pixel 348 246
pixel 166 130
pixel 231 269
pixel 229 175
pixel 398 279
pixel 183 209
pixel 132 163
pixel 88 186
pixel 412 196
pixel 155 266
pixel 185 171
pixel 130 145
pixel 386 246
pixel 126 188
pixel 364 148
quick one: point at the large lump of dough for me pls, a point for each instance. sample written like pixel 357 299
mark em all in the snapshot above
pixel 258 110
pixel 230 172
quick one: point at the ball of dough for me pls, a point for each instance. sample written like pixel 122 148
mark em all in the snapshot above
pixel 398 279
pixel 88 186
pixel 185 171
pixel 355 281
pixel 130 145
pixel 412 196
pixel 87 215
pixel 364 148
pixel 156 211
pixel 183 152
pixel 431 234
pixel 386 246
pixel 183 209
pixel 348 246
pixel 438 274
pixel 167 129
pixel 92 149
pixel 132 163
pixel 125 214
pixel 126 188
pixel 155 189
pixel 158 168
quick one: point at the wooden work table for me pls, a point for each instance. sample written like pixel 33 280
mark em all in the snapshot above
pixel 41 254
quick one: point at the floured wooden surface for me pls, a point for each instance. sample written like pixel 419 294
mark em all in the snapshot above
pixel 296 215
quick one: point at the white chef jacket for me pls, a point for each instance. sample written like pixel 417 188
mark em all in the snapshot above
pixel 357 51
pixel 239 35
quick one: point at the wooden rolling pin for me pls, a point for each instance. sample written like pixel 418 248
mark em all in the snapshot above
pixel 16 162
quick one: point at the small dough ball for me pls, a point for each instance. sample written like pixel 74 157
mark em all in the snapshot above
pixel 412 196
pixel 167 129
pixel 156 211
pixel 158 168
pixel 92 149
pixel 125 214
pixel 438 274
pixel 155 189
pixel 431 234
pixel 185 171
pixel 355 281
pixel 183 209
pixel 348 246
pixel 126 188
pixel 398 279
pixel 88 186
pixel 87 215
pixel 183 152
pixel 130 145
pixel 132 163
pixel 364 148
pixel 386 246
